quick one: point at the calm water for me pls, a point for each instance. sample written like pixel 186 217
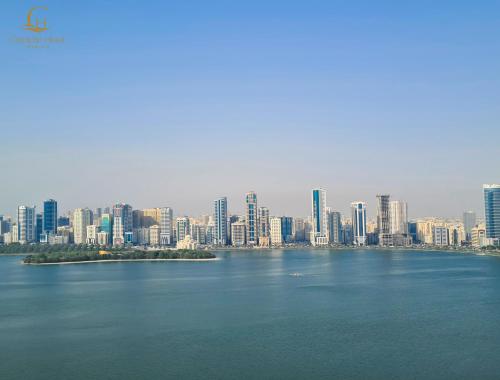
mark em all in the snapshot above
pixel 350 314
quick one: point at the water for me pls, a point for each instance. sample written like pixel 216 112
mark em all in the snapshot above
pixel 274 314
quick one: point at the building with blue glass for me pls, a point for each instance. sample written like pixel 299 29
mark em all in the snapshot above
pixel 359 223
pixel 319 233
pixel 50 217
pixel 492 210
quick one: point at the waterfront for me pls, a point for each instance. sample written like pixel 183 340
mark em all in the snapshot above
pixel 254 314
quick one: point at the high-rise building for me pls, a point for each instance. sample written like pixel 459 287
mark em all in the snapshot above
pixel 151 216
pixel 251 221
pixel 122 223
pixel 238 234
pixel 50 217
pixel 440 236
pixel 220 219
pixel 383 214
pixel 398 217
pixel 469 220
pixel 319 233
pixel 82 217
pixel 263 222
pixel 166 226
pixel 358 210
pixel 182 228
pixel 287 232
pixel 91 236
pixel 26 224
pixel 137 218
pixel 492 210
pixel 275 231
pixel 334 227
pixel 107 226
pixel 38 227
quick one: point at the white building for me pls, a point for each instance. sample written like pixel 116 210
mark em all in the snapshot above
pixel 26 224
pixel 166 226
pixel 358 210
pixel 398 217
pixel 82 217
pixel 440 236
pixel 92 231
pixel 275 231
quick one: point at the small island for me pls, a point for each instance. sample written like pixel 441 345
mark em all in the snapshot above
pixel 114 255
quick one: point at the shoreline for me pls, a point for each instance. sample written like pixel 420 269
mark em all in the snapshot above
pixel 117 261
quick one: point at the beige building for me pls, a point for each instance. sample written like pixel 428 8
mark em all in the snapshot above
pixel 275 231
pixel 151 216
pixel 187 243
pixel 154 235
pixel 238 234
pixel 82 217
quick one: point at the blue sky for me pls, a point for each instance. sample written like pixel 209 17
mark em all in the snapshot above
pixel 176 103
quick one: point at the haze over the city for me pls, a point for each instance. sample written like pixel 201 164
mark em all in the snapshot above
pixel 177 104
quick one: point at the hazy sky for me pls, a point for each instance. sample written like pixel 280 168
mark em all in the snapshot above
pixel 175 103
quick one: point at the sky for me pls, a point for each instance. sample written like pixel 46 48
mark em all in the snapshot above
pixel 175 103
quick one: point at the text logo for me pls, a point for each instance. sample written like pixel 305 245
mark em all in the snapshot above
pixel 35 28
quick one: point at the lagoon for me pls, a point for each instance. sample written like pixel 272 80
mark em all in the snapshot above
pixel 256 314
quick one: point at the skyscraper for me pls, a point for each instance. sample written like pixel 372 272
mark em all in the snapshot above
pixel 319 219
pixel 398 211
pixel 334 227
pixel 469 220
pixel 50 217
pixel 38 227
pixel 252 230
pixel 82 217
pixel 287 228
pixel 220 219
pixel 166 226
pixel 383 214
pixel 263 222
pixel 275 231
pixel 26 224
pixel 122 223
pixel 492 210
pixel 182 224
pixel 358 210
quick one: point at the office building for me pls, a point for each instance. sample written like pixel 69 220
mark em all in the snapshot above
pixel 263 222
pixel 398 218
pixel 122 224
pixel 334 227
pixel 220 220
pixel 238 234
pixel 251 221
pixel 469 221
pixel 492 210
pixel 275 231
pixel 49 217
pixel 319 233
pixel 287 232
pixel 26 224
pixel 82 217
pixel 358 212
pixel 182 228
pixel 166 226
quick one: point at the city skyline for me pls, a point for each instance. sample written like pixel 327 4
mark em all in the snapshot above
pixel 239 206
